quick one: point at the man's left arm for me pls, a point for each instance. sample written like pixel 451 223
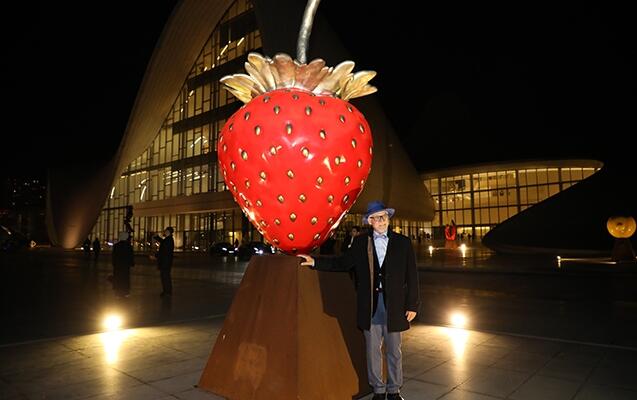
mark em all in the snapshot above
pixel 413 295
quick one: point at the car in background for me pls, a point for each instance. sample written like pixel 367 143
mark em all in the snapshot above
pixel 223 249
pixel 247 250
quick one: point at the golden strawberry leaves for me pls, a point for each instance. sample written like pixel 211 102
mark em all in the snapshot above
pixel 266 74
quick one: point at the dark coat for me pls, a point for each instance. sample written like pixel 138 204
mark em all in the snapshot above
pixel 165 253
pixel 400 279
pixel 123 254
pixel 346 242
pixel 97 246
pixel 123 260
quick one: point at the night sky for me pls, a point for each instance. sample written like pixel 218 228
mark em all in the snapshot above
pixel 521 82
pixel 73 77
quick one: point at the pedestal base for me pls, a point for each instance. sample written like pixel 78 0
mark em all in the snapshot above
pixel 289 334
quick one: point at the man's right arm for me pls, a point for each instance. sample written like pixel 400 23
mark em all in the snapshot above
pixel 343 263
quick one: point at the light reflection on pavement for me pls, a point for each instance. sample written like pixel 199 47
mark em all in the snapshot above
pixel 53 293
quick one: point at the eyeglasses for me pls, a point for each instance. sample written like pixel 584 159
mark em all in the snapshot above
pixel 380 218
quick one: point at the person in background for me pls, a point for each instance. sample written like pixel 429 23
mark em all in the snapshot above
pixel 123 260
pixel 349 238
pixel 165 260
pixel 86 246
pixel 97 247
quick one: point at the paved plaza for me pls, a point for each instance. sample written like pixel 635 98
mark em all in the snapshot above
pixel 535 330
pixel 165 362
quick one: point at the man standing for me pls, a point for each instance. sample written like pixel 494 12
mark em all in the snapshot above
pixel 123 260
pixel 165 260
pixel 97 247
pixel 86 246
pixel 349 238
pixel 387 294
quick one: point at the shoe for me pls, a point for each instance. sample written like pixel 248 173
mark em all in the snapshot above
pixel 394 396
pixel 378 396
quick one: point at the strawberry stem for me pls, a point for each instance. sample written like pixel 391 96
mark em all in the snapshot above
pixel 306 30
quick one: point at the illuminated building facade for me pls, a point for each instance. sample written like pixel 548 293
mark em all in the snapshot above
pixel 181 161
pixel 166 166
pixel 479 197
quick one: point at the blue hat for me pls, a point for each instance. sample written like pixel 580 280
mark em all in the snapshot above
pixel 376 206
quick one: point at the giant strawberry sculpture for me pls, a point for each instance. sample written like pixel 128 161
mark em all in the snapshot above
pixel 297 154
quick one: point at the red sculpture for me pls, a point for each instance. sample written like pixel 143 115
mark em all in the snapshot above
pixel 297 155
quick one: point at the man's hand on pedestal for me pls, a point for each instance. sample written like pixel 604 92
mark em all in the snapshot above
pixel 308 261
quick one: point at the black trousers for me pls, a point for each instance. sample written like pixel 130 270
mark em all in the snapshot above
pixel 166 281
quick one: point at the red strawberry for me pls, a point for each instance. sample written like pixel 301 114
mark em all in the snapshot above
pixel 296 158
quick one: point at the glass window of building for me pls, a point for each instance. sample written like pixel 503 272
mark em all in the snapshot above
pixel 479 201
pixel 176 162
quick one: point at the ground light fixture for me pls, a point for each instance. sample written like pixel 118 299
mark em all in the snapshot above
pixel 112 322
pixel 458 319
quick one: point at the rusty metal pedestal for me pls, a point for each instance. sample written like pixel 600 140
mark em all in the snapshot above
pixel 289 334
